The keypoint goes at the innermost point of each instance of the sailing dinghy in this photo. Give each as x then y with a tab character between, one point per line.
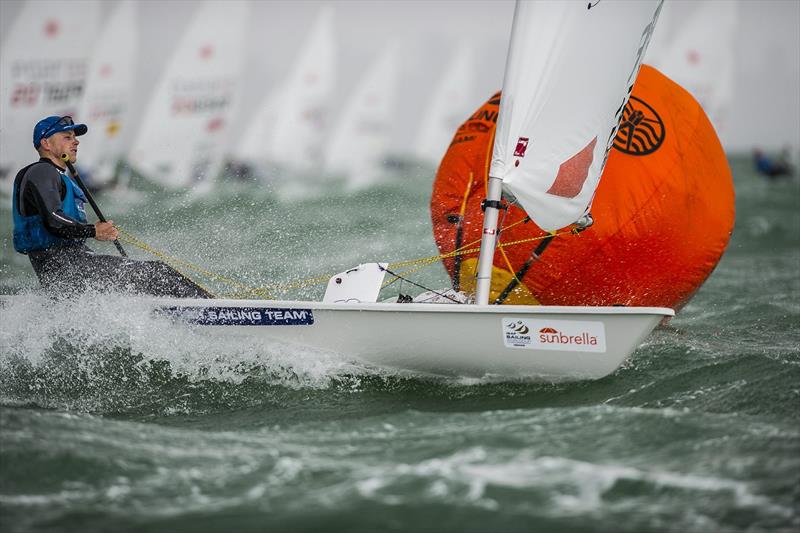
180	142
288	130
106	101
449	102
701	57
43	63
362	137
568	76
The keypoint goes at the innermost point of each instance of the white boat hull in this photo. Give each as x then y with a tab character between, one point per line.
554	343
546	342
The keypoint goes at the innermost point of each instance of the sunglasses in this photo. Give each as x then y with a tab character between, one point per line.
63	121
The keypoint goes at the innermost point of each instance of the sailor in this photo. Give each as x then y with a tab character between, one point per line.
773	169
50	227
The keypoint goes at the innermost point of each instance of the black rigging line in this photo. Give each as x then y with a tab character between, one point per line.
398	276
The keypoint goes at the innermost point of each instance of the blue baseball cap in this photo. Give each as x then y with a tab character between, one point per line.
50	125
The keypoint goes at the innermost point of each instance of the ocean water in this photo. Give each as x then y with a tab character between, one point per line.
108	423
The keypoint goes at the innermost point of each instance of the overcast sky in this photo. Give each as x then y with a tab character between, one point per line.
766	110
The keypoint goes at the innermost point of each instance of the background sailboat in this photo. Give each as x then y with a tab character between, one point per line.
44	64
180	142
700	56
450	101
106	102
362	136
288	129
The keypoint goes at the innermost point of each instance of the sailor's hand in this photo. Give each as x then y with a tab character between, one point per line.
105	231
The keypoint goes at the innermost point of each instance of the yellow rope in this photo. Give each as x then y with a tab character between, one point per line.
416	263
425	261
245	290
130	239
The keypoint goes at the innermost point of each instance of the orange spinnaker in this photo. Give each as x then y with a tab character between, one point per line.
664	210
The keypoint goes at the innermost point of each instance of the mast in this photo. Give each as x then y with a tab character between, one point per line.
488	240
494	192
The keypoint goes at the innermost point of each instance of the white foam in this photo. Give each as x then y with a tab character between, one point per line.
95	324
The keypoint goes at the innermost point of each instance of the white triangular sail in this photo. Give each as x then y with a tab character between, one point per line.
106	103
252	146
289	127
182	137
42	72
700	56
570	69
449	104
362	136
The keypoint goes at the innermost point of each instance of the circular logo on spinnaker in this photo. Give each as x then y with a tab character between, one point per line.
641	130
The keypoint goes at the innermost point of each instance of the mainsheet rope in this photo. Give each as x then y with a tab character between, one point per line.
265	292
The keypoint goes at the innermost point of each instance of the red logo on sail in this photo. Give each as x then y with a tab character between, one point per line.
215	124
522	145
51	28
206	52
573	173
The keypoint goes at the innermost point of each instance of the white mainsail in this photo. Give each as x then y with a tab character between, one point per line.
42	72
449	103
289	127
569	73
700	57
362	136
106	102
570	70
182	137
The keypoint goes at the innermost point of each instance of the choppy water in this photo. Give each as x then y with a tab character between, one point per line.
113	423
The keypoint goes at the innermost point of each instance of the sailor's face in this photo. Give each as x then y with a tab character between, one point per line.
63	142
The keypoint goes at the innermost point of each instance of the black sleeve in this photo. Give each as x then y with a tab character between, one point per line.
43	195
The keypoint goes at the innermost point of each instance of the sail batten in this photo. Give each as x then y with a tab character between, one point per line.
569	72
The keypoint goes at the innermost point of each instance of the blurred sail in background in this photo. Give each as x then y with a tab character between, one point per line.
183	133
288	129
700	55
362	135
106	102
450	102
43	72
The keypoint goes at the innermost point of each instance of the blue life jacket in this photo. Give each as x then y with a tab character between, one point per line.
30	235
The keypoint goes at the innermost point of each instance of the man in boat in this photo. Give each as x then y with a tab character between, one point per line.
770	168
51	228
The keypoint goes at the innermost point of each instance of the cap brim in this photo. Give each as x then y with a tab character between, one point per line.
80	129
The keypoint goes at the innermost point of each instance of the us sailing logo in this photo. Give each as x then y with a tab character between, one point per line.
517	334
641	130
